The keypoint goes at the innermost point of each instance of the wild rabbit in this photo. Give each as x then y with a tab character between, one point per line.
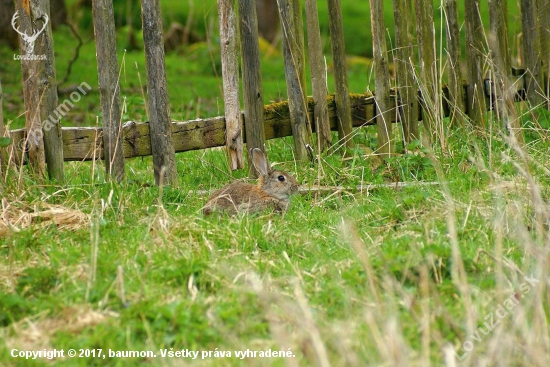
271	193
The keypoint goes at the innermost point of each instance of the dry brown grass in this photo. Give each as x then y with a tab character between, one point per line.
16	215
35	333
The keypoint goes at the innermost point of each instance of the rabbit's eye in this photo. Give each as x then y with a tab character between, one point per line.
281	178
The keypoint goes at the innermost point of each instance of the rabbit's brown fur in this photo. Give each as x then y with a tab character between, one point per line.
271	193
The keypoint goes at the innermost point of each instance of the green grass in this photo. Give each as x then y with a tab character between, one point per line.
365	278
140	274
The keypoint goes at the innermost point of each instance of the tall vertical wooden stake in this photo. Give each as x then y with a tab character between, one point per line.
429	77
230	75
109	87
407	93
343	109
252	80
475	58
381	79
34	144
293	50
49	110
318	77
532	53
456	85
544	31
3	152
160	123
502	68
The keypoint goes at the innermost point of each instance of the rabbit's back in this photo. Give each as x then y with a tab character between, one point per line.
242	197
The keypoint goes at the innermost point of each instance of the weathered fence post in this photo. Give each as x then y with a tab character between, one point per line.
160	123
407	93
381	79
456	85
475	58
109	87
318	77
498	40
3	152
230	75
429	84
49	110
34	142
544	30
531	53
501	68
252	80
290	13
340	74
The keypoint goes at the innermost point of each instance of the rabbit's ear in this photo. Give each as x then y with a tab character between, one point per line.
260	161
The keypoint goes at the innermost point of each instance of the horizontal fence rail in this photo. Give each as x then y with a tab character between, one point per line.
85	143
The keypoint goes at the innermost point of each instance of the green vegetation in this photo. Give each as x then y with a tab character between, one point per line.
143	270
355	277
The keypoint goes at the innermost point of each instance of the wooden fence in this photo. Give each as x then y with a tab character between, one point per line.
418	94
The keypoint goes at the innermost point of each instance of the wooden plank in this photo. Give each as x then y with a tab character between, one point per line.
230	76
27	25
295	74
252	79
83	144
340	73
456	91
164	158
405	70
109	88
319	88
381	79
475	59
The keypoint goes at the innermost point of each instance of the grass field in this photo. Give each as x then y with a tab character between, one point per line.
452	269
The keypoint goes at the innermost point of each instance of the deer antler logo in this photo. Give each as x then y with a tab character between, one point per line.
29	40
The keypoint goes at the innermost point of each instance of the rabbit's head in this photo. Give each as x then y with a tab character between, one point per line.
275	183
